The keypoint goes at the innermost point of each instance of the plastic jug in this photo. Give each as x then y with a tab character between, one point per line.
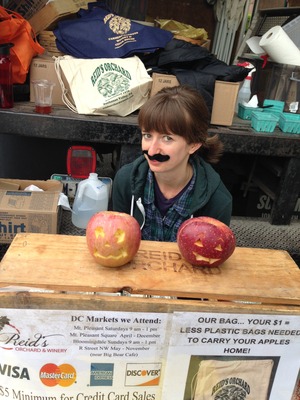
91	197
6	80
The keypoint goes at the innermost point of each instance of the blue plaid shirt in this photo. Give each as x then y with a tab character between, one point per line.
164	229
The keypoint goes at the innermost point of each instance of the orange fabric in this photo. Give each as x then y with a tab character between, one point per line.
17	30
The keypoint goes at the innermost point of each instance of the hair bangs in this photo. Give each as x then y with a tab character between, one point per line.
179	110
164	117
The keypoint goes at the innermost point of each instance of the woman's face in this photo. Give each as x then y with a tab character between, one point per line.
166	152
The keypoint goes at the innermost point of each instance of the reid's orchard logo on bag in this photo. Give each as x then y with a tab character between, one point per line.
11	338
143	374
231	388
62	375
119	25
111	79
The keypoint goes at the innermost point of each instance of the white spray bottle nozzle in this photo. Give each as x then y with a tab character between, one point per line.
251	72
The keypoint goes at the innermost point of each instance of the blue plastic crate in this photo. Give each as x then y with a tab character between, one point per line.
289	123
263	122
245	112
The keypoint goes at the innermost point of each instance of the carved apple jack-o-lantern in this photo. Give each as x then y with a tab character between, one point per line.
205	241
113	238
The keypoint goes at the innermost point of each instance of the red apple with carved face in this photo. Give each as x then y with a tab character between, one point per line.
205	241
113	238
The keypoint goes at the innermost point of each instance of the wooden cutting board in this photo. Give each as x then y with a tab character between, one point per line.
63	263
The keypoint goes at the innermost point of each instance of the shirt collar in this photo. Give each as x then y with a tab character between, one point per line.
182	206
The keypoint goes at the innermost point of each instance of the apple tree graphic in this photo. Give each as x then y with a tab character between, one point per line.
4	321
113	84
231	393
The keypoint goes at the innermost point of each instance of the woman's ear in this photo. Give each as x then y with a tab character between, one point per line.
194	147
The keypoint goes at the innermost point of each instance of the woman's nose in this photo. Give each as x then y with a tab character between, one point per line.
153	147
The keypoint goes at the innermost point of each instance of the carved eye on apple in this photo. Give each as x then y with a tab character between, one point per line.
113	238
205	241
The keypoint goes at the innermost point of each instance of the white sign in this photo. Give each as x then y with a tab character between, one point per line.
81	355
105	355
232	356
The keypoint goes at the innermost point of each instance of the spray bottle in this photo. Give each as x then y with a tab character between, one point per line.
91	197
244	94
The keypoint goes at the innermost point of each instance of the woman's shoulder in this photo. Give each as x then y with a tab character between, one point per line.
125	170
201	165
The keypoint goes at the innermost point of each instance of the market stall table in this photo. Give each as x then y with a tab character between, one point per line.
157	313
255	275
239	138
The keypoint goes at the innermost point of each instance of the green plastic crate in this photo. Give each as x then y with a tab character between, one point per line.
245	112
277	107
263	122
289	123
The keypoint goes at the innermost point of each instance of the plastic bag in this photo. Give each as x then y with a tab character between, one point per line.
17	30
181	29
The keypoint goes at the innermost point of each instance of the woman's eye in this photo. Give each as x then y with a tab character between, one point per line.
146	135
167	138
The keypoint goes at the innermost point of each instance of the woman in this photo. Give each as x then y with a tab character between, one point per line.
173	180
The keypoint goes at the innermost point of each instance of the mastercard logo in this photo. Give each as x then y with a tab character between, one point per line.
62	375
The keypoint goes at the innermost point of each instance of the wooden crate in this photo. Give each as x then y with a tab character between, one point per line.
62	262
52	289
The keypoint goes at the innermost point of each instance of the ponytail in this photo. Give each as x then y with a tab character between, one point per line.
212	149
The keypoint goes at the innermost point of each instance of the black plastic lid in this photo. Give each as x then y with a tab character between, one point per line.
5	49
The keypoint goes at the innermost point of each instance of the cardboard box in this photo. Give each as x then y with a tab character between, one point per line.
43	68
225	96
161	81
26	8
28	211
56	10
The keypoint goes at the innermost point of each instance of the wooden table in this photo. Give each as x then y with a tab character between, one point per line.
62	262
123	132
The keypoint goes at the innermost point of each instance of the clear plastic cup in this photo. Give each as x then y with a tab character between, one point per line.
43	96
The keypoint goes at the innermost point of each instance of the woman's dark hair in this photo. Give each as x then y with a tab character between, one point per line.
181	110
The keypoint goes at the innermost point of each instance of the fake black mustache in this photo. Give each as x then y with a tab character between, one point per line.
157	157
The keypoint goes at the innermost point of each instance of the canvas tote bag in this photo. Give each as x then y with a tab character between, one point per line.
103	86
99	33
240	379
